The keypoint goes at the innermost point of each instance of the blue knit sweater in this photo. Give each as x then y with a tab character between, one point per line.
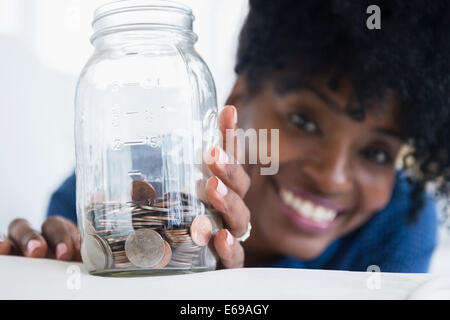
387	240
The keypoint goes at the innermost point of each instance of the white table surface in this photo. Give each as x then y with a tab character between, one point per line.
22	278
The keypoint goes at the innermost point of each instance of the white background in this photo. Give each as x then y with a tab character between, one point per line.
43	47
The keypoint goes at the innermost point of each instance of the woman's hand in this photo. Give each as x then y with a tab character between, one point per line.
225	191
58	239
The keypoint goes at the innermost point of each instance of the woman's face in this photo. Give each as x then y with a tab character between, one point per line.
334	172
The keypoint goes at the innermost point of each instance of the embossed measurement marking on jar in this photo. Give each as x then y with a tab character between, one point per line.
133	143
153	142
117	145
134	173
148	116
130	84
115	116
150	83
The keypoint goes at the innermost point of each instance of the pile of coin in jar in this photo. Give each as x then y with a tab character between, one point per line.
150	232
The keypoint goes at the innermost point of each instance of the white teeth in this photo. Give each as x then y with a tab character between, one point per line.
289	196
330	214
297	204
320	214
306	208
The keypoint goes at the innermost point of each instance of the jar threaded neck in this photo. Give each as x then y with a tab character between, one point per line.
142	14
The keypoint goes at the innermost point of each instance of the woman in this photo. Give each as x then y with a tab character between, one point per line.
346	100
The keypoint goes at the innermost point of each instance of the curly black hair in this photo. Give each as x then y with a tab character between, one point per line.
291	41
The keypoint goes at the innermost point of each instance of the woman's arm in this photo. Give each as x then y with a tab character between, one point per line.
63	201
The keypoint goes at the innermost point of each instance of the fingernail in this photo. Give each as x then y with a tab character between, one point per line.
61	249
221	187
32	245
2	237
235	115
230	238
222	156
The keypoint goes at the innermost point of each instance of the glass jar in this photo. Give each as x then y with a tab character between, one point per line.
145	116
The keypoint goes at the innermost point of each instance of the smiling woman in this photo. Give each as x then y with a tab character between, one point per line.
345	107
346	100
335	173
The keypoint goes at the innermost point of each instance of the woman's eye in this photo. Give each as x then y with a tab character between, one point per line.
378	156
303	122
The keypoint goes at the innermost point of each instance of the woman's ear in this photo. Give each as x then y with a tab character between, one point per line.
239	93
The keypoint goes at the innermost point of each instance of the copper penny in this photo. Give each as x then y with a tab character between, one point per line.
167	256
142	192
201	230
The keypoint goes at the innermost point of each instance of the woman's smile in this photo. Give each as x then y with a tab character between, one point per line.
308	212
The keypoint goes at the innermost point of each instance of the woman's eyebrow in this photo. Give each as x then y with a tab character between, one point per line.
390	132
326	100
335	108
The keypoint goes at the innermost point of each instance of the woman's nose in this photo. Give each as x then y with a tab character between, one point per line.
330	170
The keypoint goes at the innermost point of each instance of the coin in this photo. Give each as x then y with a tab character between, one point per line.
142	192
131	230
167	256
95	253
155	209
167	203
201	230
144	248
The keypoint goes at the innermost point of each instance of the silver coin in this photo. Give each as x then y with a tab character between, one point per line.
144	248
89	227
155	209
94	252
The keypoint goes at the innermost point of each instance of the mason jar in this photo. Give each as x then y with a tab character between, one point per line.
145	116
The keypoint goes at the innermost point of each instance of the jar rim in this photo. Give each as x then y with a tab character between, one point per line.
170	13
135	5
